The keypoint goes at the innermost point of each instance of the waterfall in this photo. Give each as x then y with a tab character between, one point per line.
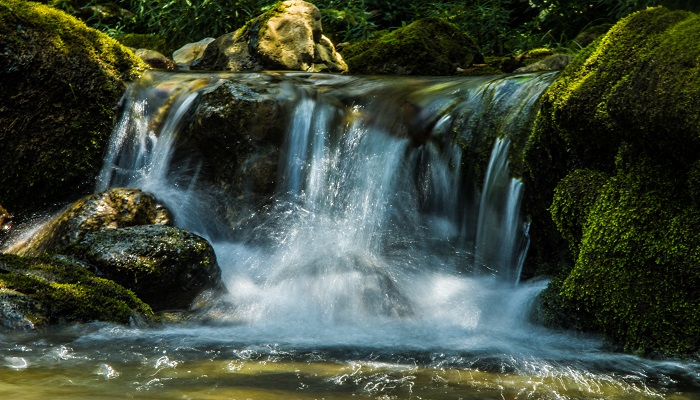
375	202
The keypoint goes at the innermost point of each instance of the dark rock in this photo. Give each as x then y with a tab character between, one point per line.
166	267
37	292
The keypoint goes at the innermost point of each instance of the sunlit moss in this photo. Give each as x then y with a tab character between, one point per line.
626	108
67	292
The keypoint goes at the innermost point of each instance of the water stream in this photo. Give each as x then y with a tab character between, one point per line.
385	264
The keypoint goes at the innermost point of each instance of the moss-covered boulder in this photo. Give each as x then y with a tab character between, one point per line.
166	267
626	108
60	82
36	292
111	209
428	46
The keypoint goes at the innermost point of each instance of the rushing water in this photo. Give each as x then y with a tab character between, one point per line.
383	266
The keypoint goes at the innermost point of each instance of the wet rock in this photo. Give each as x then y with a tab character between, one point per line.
114	208
60	82
239	130
19	311
155	59
190	53
166	267
429	46
287	37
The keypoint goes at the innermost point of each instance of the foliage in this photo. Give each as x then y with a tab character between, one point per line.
499	26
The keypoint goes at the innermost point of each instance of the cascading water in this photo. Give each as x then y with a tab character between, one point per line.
385	262
362	212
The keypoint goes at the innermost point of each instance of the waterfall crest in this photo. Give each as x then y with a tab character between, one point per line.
375	191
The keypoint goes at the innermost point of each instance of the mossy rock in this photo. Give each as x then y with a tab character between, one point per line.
573	198
61	83
627	107
429	46
166	267
35	292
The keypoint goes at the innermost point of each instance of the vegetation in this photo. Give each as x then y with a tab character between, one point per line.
623	117
498	26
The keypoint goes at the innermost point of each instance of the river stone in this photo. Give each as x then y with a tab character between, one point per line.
61	83
19	311
239	129
165	266
111	209
191	53
287	37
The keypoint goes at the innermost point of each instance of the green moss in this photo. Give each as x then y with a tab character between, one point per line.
573	198
62	82
627	108
429	46
68	292
638	268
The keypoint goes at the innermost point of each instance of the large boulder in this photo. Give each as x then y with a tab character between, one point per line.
60	82
35	292
429	46
287	37
623	116
166	267
239	128
112	209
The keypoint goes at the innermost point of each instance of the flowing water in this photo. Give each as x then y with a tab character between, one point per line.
386	264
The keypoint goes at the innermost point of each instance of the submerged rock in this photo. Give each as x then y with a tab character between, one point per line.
287	37
114	208
166	267
625	111
36	292
429	46
60	82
